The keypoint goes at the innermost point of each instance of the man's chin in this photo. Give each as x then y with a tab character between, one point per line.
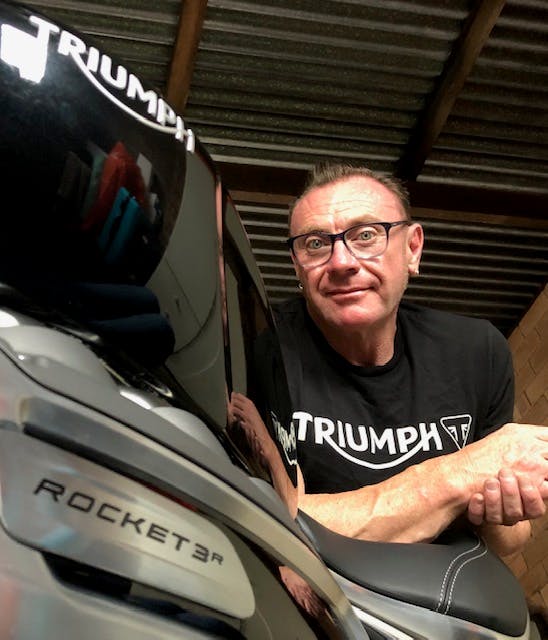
343	312
354	317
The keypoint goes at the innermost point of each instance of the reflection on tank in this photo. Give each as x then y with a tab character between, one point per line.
131	243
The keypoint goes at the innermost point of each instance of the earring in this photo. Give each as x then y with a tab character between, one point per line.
300	286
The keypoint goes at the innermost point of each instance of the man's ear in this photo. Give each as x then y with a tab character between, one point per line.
415	243
296	267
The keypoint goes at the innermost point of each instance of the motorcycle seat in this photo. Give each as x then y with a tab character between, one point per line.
456	575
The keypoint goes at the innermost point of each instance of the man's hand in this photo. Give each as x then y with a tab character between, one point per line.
502	511
519	449
506	499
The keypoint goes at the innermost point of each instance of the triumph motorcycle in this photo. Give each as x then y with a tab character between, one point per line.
148	463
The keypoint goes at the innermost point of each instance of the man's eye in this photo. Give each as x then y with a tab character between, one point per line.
316	242
365	235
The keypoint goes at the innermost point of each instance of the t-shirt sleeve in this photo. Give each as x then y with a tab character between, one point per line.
501	383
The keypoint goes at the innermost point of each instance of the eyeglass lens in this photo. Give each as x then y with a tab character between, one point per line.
363	241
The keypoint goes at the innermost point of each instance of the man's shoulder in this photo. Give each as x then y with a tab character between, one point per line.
436	321
452	328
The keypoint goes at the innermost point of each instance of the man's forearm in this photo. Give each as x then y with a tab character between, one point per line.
413	506
417	504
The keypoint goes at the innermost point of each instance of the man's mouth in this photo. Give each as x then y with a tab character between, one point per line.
333	293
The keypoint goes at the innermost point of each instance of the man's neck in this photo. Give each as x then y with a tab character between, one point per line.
367	346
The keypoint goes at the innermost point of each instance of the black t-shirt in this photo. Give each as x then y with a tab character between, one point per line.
450	382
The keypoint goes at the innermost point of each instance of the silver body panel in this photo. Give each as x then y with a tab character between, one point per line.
56	502
71	514
36	606
402	621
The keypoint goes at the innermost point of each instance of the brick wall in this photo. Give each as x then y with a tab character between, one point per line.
529	345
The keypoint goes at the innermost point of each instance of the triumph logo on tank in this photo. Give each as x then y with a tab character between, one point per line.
28	52
399	444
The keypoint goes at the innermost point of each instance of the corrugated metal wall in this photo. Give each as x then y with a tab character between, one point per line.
288	82
139	32
497	134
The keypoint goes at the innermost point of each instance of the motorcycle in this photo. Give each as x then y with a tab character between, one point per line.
134	324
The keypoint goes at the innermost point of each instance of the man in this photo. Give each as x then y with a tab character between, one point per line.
400	410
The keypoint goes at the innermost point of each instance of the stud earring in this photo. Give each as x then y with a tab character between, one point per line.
300	286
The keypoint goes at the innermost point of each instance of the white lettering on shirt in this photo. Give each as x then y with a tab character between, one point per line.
401	442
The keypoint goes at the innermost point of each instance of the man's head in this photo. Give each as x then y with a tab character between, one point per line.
362	275
329	172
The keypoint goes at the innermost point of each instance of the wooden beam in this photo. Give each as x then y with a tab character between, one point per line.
191	21
460	63
521	204
261	179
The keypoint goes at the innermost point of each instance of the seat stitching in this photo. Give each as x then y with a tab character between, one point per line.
463	553
457	573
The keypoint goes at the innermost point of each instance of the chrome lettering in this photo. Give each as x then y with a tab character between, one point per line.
120	81
98	69
135	91
81	502
101	511
180	540
136	523
72	46
158	533
54	488
88	505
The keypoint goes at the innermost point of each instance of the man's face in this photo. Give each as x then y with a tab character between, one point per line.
346	292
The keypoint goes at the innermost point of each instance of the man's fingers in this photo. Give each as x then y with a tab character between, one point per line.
476	509
531	498
512	508
493	501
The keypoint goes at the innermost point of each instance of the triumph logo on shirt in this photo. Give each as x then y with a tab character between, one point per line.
399	443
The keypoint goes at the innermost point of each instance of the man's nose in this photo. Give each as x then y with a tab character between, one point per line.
341	256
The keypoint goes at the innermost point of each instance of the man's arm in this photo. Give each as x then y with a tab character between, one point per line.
412	506
503	510
419	503
505	540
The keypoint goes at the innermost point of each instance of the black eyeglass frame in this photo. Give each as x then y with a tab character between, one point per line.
333	237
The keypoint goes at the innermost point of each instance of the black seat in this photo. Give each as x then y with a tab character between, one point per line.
456	575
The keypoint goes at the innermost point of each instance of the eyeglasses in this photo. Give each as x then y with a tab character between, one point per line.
363	241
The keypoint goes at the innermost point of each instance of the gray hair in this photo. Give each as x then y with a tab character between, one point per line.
329	172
